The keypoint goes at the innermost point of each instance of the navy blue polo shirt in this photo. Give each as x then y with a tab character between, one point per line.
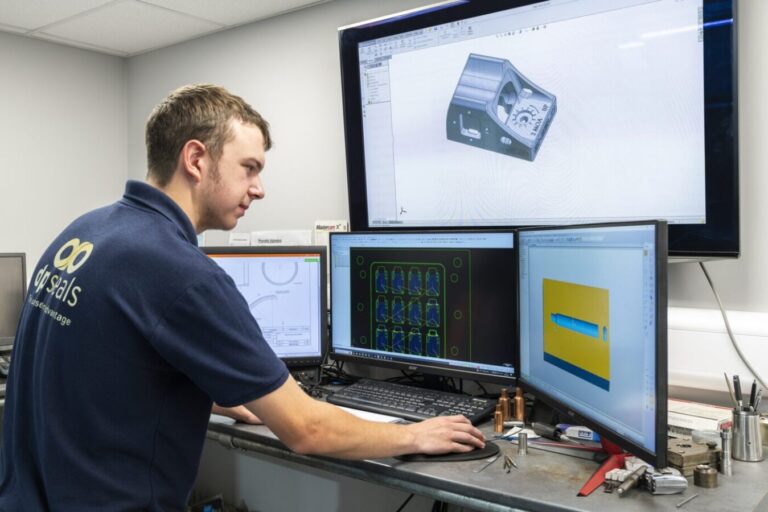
128	334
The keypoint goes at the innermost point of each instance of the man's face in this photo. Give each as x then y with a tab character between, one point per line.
235	180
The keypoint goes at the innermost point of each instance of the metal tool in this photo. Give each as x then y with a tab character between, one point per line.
662	483
490	461
737	391
509	463
730	389
545	430
686	500
753	396
726	467
631	480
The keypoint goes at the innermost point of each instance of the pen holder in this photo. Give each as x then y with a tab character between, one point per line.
747	442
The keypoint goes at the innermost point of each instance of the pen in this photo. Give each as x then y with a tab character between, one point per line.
730	389
737	391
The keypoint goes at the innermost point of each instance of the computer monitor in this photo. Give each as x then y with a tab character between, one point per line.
522	113
593	331
436	302
285	288
13	289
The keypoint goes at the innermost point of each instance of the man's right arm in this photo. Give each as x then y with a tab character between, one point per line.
310	426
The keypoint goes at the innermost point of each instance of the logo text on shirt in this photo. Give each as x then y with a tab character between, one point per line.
69	258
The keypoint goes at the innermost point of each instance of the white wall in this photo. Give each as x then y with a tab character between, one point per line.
288	68
743	284
62	139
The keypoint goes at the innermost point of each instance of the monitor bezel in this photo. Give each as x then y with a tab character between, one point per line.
425	368
659	457
292	362
7	341
718	238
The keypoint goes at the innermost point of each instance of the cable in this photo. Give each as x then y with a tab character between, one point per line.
485	391
728	326
409	498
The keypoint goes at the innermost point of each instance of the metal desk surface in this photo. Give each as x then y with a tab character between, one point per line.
544	481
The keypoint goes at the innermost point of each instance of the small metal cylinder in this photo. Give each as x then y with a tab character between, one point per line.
725	459
522	443
704	476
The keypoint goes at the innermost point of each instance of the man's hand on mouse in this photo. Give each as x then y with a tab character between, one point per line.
446	434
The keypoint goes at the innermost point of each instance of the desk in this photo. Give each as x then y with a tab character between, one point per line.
543	482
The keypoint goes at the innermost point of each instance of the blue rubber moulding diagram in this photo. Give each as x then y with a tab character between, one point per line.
495	107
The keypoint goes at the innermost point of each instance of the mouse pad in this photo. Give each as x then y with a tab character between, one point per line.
490	450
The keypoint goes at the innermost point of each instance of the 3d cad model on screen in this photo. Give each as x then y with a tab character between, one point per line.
495	107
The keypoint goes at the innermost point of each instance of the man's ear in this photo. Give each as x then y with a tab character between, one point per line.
192	159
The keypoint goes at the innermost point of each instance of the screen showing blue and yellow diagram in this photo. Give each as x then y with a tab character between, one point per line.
587	298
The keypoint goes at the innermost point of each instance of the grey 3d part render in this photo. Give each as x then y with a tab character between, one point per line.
495	107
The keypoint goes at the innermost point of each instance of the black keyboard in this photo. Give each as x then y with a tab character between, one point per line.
409	402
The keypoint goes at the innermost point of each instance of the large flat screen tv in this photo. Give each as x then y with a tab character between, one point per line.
518	113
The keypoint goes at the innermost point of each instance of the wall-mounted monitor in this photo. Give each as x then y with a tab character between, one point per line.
593	332
286	291
13	290
520	113
441	303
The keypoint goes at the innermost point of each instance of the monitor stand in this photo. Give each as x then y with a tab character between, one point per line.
615	460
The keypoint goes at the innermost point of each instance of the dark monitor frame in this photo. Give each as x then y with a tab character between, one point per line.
425	368
6	341
718	238
659	458
293	362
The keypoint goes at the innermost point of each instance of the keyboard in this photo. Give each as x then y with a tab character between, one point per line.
409	402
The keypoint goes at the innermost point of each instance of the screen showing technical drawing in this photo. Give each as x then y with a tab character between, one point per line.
283	293
443	299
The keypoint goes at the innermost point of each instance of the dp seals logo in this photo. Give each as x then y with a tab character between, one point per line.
72	255
69	258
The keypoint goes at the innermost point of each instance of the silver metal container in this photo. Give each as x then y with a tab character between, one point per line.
747	444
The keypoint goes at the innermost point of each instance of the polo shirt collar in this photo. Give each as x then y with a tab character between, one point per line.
146	196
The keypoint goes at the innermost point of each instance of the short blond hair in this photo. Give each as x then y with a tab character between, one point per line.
202	112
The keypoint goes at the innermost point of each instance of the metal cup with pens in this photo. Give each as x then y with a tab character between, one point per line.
747	444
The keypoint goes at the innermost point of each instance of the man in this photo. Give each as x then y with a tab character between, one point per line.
130	333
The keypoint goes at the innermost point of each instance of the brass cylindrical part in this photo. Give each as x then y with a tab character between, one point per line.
519	405
498	420
506	405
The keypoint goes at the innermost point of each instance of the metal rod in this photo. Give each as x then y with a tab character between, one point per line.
686	500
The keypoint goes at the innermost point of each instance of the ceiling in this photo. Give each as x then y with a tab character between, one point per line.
130	27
